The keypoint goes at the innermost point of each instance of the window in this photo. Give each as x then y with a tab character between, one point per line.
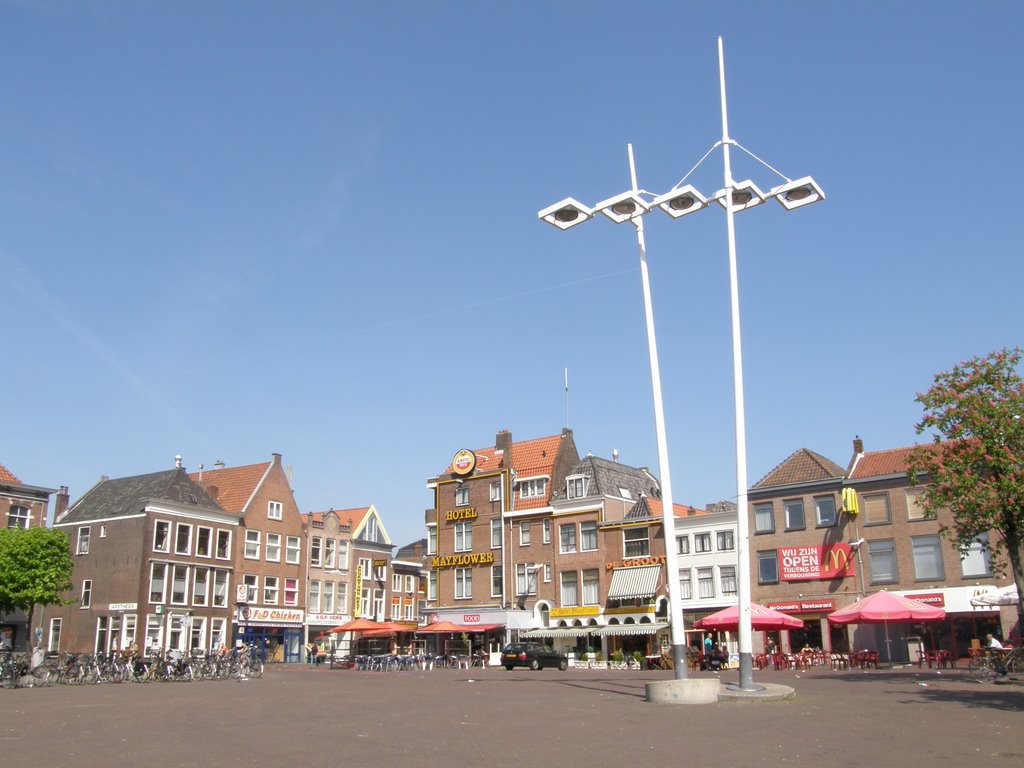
223	545
157	582
162	536
882	558
86	593
495	491
915	510
464	536
252	545
547	573
575	487
315	548
329	597
218	634
768	567
103	531
496	533
432	540
463	583
701	542
342	597
54	643
526	579
204	541
314	597
764	518
876	508
567	538
591	586
825	510
200	581
273	548
366	566
570	588
705	583
727	576
635	542
726	541
220	588
270	590
588	537
179	585
330	552
794	511
291	550
83	540
685	585
183	541
396	583
532	489
927	558
524	533
683	545
462	496
976	560
547	530
252	587
291	591
18	516
275	510
497	583
432	585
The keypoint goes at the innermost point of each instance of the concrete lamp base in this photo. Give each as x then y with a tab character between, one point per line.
691	691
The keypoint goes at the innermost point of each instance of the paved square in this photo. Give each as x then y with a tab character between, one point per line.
446	717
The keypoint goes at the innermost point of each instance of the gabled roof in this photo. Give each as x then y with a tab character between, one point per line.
233	487
802	466
360	517
6	476
879	463
609	478
126	496
646	508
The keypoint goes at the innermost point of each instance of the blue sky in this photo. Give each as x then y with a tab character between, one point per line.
233	229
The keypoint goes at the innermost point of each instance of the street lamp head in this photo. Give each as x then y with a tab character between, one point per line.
680	201
623	207
566	213
795	194
745	194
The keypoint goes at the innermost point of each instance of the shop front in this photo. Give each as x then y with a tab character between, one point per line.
964	627
275	632
816	633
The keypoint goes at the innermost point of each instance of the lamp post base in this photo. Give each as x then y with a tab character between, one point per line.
689	691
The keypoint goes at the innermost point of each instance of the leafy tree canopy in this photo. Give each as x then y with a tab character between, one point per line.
35	568
974	465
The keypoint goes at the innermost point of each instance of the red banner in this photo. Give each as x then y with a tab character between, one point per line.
815	562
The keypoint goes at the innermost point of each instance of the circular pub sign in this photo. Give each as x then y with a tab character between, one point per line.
464	462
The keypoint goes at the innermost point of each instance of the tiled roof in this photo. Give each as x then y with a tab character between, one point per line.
876	463
130	495
234	485
647	507
6	476
610	478
802	466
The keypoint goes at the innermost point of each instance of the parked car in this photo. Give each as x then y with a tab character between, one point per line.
532	655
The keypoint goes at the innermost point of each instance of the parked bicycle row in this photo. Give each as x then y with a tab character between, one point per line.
17	671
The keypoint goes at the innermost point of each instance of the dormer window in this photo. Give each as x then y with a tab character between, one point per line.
576	487
531	489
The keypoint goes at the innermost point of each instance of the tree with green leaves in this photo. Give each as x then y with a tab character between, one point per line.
974	465
35	569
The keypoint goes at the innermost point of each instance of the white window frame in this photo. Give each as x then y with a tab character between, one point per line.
818	517
701	542
224	537
275	510
588	530
316	551
546	528
85	601
569	589
462	496
252	587
575	487
187	548
495	491
82	547
976	560
463	531
463	583
206	552
496	530
165	526
342	555
162	594
292	550
291	591
927	555
221	587
271	590
272	547
567	538
525	534
200	577
764	518
252	544
185	581
641	546
19	516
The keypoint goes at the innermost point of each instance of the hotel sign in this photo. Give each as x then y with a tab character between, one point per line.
815	562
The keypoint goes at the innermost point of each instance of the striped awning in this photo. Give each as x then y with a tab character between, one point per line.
631	629
627	583
560	632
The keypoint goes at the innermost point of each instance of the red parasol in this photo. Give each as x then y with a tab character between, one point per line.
883	607
761	618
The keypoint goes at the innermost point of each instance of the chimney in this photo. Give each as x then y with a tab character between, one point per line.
858	445
212	491
177	461
218	464
503	447
61	502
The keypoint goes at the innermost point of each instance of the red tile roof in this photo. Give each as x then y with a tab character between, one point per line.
802	466
355	514
877	463
234	485
6	476
680	510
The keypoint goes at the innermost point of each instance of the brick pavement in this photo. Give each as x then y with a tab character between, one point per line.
298	716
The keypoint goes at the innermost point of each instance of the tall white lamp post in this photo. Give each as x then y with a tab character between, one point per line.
681	200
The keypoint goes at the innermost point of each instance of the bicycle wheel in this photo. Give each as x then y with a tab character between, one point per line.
256	669
41	677
980	669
